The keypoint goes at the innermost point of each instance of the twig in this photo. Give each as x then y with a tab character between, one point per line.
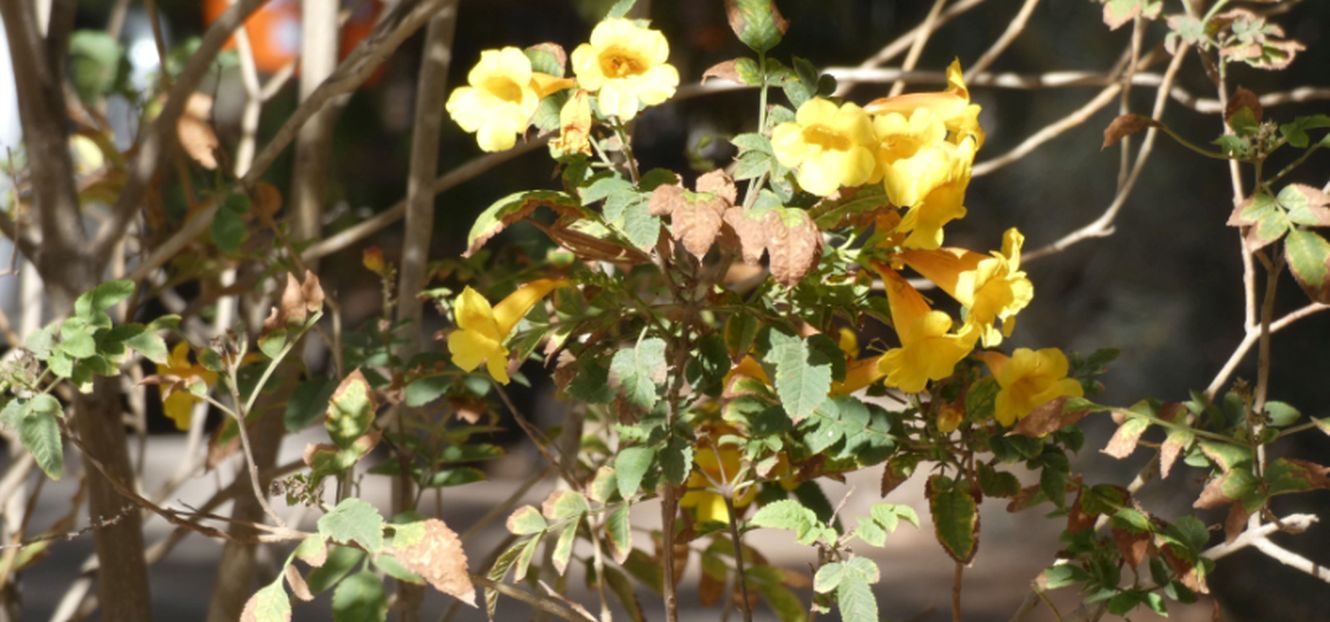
1103	225
956	579
921	36
542	603
1009	36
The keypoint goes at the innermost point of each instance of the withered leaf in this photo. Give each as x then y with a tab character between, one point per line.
751	232
665	199
297	302
717	182
1125	438
1212	496
1134	546
1125	125
1244	98
434	552
195	131
697	223
794	244
297	583
724	70
1235	522
1048	418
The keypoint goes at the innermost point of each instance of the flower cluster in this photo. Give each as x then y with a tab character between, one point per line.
623	68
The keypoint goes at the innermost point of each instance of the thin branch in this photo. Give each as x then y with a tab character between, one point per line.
546	604
921	36
1009	36
1103	225
1291	559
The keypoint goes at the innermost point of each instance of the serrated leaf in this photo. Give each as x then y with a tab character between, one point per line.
39	431
432	550
756	22
360	598
356	521
1282	414
1124	440
150	345
350	410
1120	12
630	466
1308	256
676	460
637	370
269	604
955	517
802	383
564	504
854	598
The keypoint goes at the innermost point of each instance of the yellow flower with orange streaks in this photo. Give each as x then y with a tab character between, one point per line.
951	105
482	329
624	64
715	467
175	379
992	287
928	351
829	146
1028	379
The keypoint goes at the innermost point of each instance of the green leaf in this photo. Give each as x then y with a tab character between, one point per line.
623	590
563	547
350	410
544	58
785	514
1282	414
360	598
103	297
871	532
802	381
95	63
955	517
1119	12
39	431
525	521
229	231
76	339
637	370
621	8
270	604
356	521
619	529
426	389
854	592
1062	575
1270	227
565	504
591	382
676	460
150	345
1308	255
340	561
394	568
756	22
630	466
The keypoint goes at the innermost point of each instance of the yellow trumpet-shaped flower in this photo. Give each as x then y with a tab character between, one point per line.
499	100
482	329
992	287
720	466
942	203
574	127
929	351
952	106
829	146
176	377
859	374
625	66
1028	380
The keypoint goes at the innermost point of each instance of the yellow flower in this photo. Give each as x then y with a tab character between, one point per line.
992	287
624	64
720	466
500	100
176	377
574	127
928	350
482	329
858	374
1028	380
830	147
943	203
952	106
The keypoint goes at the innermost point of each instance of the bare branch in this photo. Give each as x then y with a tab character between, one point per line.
1014	30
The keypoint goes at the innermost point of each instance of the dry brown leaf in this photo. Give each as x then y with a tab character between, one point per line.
752	233
1168	454
297	582
267	201
1212	496
1125	125
717	182
317	557
195	132
724	70
1243	98
793	243
297	302
438	558
696	224
665	199
893	476
1235	522
1134	546
1047	419
1124	440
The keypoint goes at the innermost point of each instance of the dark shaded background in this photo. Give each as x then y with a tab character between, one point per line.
1166	289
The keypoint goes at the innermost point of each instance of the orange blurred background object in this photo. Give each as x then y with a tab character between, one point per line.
274	29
